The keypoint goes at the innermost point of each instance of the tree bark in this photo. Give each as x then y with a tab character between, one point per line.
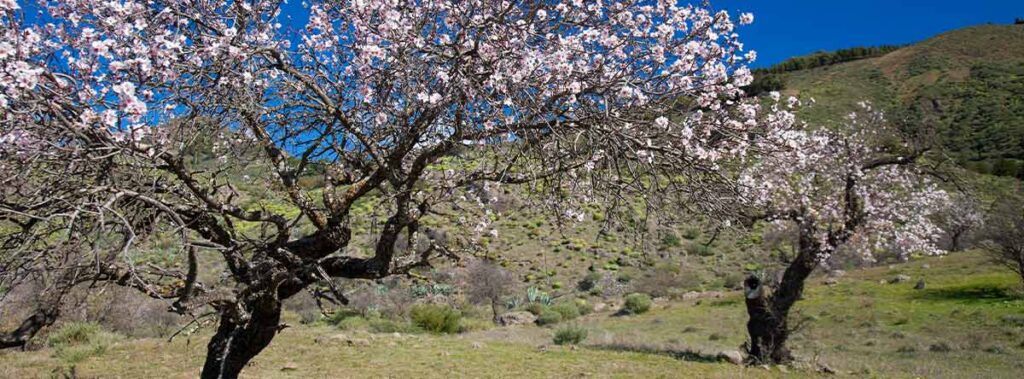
1020	266
43	317
768	324
955	241
494	310
238	341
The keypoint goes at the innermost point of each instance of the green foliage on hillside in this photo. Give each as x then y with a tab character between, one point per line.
966	86
828	58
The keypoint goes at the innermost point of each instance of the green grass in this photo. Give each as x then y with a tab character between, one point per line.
860	327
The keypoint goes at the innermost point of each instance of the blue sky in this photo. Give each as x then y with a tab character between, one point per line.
786	28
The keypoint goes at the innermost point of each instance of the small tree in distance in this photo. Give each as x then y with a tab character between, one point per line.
1004	233
960	219
487	283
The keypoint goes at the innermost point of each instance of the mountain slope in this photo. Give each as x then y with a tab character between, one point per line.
968	84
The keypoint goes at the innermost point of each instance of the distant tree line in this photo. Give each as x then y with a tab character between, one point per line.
1018	21
827	58
767	79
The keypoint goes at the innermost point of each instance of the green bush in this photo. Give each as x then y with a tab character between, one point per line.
384	325
670	239
699	249
436	318
340	315
73	333
571	335
569	311
353	323
624	277
549	317
589	282
74	342
637	303
733	280
691	233
535	308
584	307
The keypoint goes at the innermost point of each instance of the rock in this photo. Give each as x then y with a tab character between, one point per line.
732	356
900	279
290	366
919	285
837	273
600	307
825	369
940	347
1017	320
516	318
926	266
357	342
334	338
831	281
693	295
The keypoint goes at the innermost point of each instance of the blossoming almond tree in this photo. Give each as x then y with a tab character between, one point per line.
125	127
851	187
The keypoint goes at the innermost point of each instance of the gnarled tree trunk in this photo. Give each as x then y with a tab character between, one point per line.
41	318
237	341
769	312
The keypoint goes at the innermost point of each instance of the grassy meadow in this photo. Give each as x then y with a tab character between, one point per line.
968	322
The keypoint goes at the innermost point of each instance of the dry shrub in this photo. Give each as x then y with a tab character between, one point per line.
304	304
663	279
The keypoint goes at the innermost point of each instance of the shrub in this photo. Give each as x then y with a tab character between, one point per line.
571	335
304	305
733	281
666	280
73	333
536	308
340	315
589	282
436	318
691	233
487	283
584	307
637	303
569	311
699	249
549	317
352	323
77	341
384	325
670	239
624	277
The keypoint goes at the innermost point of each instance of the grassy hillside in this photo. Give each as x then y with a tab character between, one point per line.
968	84
967	322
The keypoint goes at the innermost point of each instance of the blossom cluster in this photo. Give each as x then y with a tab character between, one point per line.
847	182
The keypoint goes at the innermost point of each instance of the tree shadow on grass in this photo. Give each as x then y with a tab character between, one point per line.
682	354
972	293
